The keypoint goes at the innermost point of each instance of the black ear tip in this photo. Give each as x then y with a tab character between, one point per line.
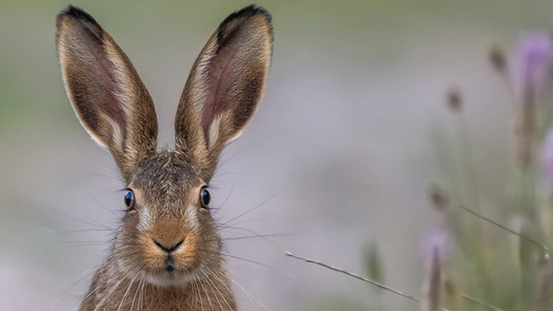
249	11
77	13
254	10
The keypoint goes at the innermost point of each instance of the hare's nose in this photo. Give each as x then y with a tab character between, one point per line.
169	248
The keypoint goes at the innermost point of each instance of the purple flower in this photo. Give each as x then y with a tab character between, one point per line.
436	242
535	61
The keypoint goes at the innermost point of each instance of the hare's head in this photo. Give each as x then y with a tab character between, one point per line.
168	235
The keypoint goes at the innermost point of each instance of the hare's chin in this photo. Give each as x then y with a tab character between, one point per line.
172	280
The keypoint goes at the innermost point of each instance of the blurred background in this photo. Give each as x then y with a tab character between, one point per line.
338	159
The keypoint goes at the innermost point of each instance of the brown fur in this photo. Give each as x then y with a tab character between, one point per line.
167	226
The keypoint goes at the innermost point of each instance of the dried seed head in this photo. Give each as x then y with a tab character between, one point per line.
450	287
497	58
438	197
454	99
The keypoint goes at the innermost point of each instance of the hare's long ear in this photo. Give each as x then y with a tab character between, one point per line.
106	92
224	87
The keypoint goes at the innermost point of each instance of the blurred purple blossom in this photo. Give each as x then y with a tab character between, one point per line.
535	58
436	241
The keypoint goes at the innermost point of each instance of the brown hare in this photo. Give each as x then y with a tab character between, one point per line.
167	253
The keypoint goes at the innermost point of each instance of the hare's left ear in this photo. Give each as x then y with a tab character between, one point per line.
224	87
105	90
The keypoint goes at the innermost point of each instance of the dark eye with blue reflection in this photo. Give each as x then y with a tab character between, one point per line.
129	199
205	197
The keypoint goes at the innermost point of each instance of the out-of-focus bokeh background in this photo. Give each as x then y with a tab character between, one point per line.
339	157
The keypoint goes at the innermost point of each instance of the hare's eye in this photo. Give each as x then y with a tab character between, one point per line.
129	199
205	197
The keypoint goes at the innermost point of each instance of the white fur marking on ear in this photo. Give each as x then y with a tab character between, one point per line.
144	219
117	135
214	129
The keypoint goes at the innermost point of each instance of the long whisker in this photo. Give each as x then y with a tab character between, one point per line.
200	294
131	283
223	283
136	292
210	284
102	205
226	199
249	261
265	237
196	292
82	221
257	206
79	278
113	289
248	294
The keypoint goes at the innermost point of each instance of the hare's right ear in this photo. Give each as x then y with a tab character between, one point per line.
224	87
106	92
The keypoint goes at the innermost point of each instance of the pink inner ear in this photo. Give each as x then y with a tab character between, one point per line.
219	75
94	85
112	106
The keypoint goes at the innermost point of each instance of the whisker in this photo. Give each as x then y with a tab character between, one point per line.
210	284
257	206
131	283
250	261
136	293
205	291
219	166
113	289
82	221
102	205
79	278
248	294
223	283
226	199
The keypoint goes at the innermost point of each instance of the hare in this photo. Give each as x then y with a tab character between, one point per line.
167	253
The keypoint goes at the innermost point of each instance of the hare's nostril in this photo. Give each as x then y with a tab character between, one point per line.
169	249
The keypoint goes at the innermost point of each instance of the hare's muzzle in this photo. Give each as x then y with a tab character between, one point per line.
168	249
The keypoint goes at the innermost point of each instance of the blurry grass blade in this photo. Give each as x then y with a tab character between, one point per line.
522	236
544	279
527	270
480	303
353	275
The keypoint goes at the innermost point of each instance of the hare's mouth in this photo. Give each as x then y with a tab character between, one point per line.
169	264
171	276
